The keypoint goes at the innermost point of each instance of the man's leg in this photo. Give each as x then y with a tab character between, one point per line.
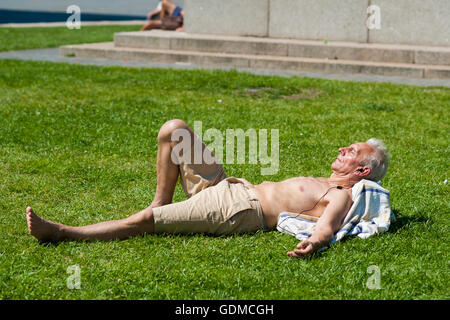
152	24
167	171
167	8
139	223
194	175
44	230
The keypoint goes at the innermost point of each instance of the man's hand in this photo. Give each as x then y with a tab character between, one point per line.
327	226
304	248
239	180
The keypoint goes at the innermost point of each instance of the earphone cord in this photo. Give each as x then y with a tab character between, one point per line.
298	214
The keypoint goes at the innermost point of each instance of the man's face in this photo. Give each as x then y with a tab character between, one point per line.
350	158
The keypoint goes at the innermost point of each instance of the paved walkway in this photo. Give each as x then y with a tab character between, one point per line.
52	55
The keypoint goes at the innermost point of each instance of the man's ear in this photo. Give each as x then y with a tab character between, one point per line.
362	171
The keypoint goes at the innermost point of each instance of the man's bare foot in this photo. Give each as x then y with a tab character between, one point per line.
42	229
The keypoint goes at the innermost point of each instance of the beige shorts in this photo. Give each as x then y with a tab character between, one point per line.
215	205
196	177
221	209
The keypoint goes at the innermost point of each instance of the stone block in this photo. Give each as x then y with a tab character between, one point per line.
415	22
343	20
230	17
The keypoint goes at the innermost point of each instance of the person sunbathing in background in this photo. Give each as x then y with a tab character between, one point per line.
170	17
220	205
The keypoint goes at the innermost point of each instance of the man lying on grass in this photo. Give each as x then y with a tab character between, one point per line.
219	205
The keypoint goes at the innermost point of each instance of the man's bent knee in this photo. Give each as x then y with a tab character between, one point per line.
166	130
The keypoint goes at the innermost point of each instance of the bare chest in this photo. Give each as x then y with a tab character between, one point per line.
304	195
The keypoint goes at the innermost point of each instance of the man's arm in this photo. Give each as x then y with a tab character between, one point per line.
239	180
151	14
328	224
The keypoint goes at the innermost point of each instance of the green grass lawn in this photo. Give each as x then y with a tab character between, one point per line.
46	37
78	143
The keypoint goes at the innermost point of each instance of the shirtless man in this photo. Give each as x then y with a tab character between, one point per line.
221	205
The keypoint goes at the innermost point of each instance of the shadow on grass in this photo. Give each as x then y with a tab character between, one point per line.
402	222
53	244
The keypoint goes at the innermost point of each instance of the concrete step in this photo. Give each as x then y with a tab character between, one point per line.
108	50
169	40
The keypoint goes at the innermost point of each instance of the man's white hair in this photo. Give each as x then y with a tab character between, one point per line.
377	161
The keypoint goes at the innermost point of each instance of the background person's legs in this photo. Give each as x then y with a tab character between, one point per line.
165	18
167	8
152	24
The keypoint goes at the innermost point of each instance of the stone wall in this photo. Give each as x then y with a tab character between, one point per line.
230	17
415	22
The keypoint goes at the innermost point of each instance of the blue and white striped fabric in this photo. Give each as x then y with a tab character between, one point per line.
369	214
